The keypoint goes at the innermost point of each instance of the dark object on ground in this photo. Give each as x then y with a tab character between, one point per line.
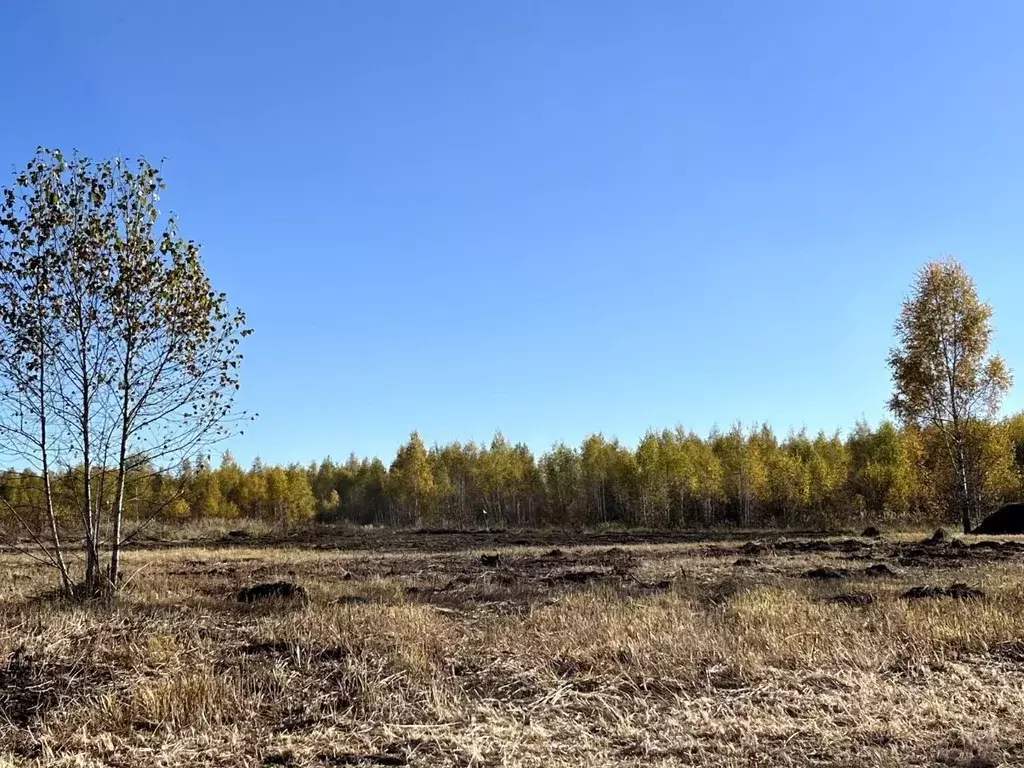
745	561
827	574
871	532
851	545
853	598
280	758
268	649
490	561
354	600
964	592
364	761
989	544
276	590
936	538
1010	651
1008	519
880	570
581	577
918	593
958	590
555	553
752	548
238	534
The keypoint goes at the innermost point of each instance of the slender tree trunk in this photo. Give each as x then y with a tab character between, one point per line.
92	555
97	511
118	515
51	514
963	488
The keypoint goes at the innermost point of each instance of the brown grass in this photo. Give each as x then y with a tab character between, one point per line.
726	666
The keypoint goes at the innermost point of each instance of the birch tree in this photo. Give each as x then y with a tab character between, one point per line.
943	374
116	354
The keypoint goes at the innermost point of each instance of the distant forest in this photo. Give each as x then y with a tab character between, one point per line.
673	478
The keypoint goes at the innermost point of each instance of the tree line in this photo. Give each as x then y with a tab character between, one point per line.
671	479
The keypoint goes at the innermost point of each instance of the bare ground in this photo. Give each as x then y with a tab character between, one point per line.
423	649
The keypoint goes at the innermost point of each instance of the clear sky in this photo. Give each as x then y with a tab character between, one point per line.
552	217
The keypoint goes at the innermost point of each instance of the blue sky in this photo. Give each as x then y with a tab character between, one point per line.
552	218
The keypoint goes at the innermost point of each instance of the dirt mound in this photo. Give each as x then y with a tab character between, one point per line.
958	590
852	598
582	577
827	574
939	537
871	532
355	600
964	592
918	593
1008	519
813	545
988	544
851	545
280	590
364	760
1011	650
880	570
752	548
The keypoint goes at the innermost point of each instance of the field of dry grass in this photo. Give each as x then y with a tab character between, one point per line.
569	651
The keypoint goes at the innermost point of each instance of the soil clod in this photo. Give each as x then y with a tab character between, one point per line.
278	590
827	574
852	598
582	577
957	590
354	600
939	537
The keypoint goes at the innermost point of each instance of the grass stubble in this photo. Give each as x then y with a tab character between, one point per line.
669	655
